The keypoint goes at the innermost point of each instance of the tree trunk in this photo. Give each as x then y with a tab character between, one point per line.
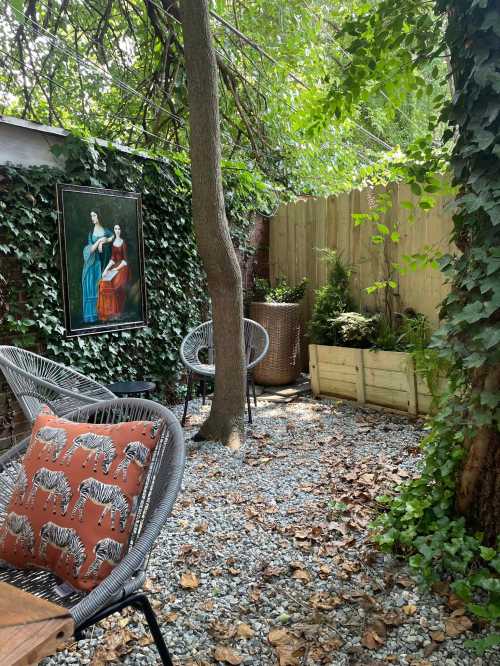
225	422
478	492
473	309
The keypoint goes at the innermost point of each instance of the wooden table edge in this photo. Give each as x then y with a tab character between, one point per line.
26	645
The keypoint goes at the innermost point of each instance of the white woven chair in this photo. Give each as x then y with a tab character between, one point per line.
198	355
36	380
122	587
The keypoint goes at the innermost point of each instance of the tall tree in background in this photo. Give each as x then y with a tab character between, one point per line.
225	421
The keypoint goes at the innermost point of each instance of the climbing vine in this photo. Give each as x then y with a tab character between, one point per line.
176	291
447	520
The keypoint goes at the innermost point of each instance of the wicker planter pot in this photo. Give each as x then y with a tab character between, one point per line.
282	362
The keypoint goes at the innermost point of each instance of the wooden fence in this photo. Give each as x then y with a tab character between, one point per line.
300	229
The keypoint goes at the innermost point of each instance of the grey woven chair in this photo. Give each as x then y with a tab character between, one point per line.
122	587
197	354
36	380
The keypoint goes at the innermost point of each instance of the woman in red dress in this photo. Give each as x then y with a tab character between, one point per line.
114	280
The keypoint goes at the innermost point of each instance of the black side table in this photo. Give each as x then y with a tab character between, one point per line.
132	389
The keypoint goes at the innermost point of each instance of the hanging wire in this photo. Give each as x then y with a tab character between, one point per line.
262	52
292	108
254	45
64	48
25	64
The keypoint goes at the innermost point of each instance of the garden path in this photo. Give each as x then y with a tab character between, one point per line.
267	560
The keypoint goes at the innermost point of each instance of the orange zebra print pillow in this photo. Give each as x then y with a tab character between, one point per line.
75	498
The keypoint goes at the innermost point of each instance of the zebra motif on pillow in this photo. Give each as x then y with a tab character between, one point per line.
105	550
135	452
107	495
53	440
55	484
21	484
96	445
75	496
20	527
67	541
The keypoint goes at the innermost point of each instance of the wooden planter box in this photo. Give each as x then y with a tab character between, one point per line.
376	377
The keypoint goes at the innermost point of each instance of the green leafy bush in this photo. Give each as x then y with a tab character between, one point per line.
353	329
282	292
330	301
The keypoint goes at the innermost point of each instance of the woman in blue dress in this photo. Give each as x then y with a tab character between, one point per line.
96	255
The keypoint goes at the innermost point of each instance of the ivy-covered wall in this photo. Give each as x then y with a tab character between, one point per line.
176	291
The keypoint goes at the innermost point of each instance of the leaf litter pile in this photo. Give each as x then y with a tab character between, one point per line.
267	558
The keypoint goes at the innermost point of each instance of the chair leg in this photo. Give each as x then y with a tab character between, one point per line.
139	601
189	395
203	391
253	392
249	404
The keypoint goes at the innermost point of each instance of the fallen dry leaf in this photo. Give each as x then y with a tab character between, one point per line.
302	574
208	605
454	626
202	527
189	581
290	655
149	586
147	639
289	650
324	600
170	617
270	571
455	602
221	630
409	609
392	618
227	655
278	636
244	630
438	636
374	635
324	571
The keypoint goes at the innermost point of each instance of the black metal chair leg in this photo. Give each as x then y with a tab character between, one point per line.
203	390
141	602
253	391
189	396
249	404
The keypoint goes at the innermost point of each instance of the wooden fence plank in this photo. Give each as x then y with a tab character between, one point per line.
299	228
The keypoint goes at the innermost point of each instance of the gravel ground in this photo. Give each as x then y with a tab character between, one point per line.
266	559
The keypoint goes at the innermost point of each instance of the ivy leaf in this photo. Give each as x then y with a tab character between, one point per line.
480	645
487	554
489	611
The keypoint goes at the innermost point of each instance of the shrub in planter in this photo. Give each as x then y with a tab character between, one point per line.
353	329
282	292
331	300
279	313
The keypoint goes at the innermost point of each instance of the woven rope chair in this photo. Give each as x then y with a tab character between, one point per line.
122	587
198	355
36	381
